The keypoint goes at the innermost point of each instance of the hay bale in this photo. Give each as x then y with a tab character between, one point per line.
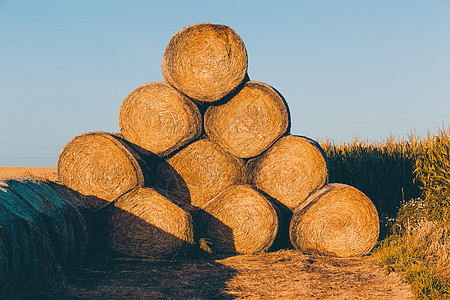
73	213
239	220
200	171
205	61
144	223
159	119
249	122
28	267
291	170
101	166
64	223
337	220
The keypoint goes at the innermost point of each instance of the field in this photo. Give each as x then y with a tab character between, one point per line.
282	274
408	180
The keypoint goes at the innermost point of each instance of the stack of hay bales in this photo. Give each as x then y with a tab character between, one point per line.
43	229
207	157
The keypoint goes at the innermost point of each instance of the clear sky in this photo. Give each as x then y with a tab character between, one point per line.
370	69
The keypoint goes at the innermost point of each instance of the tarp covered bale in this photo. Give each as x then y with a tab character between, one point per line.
28	267
249	122
101	166
239	220
337	220
291	170
158	118
200	171
205	61
144	223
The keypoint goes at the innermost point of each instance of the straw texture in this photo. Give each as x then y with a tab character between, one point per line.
337	220
158	118
101	166
39	233
144	223
291	170
60	217
239	220
205	61
250	122
200	171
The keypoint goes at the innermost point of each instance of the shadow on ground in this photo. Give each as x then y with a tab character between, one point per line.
121	278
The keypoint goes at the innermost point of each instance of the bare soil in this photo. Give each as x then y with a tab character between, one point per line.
284	274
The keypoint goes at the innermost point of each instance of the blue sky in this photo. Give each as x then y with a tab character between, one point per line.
370	69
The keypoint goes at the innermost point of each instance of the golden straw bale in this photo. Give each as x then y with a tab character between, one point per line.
101	166
159	119
292	169
239	220
205	61
144	223
249	122
200	171
337	220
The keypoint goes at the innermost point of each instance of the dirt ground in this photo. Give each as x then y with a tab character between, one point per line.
284	274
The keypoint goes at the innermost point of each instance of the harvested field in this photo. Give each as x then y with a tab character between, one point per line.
286	274
36	172
283	274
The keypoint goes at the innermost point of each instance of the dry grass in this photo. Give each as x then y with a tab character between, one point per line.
249	122
49	173
422	252
205	61
286	274
158	118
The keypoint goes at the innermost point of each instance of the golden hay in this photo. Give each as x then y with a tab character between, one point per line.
159	119
338	220
239	220
144	223
291	170
101	166
205	61
249	122
200	171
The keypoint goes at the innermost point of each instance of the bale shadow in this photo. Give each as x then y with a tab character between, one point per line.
189	273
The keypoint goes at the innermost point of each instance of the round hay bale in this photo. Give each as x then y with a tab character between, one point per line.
291	170
66	207
49	218
239	220
64	223
200	171
101	166
249	122
28	267
144	223
337	220
159	119
205	61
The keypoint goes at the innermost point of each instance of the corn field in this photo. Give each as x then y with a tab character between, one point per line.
394	171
